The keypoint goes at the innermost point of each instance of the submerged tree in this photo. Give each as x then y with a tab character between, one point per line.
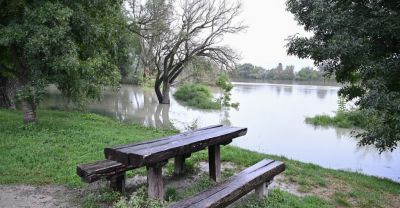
175	33
72	44
359	42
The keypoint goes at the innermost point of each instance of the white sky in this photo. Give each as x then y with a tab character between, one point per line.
263	43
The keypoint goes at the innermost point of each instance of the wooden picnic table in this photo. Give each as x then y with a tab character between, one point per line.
155	154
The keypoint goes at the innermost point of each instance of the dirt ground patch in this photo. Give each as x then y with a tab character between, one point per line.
37	196
21	196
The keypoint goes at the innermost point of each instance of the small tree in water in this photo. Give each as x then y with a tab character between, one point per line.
224	83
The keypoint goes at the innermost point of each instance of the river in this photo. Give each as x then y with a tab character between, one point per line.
274	114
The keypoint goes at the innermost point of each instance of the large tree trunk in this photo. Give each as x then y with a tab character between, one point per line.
162	96
165	94
11	92
23	80
29	109
4	103
8	89
157	89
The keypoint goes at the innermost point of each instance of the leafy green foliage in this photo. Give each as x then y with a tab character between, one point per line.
224	83
341	104
196	95
358	42
309	74
75	45
171	194
226	86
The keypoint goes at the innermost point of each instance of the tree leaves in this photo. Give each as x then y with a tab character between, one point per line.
68	43
359	43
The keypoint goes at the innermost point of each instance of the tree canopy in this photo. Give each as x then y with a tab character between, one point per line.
359	42
72	44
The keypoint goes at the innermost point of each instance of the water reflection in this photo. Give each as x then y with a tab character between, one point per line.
161	117
321	93
274	115
288	90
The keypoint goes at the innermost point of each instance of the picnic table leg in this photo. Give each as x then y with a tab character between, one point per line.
155	181
117	183
214	162
180	164
262	189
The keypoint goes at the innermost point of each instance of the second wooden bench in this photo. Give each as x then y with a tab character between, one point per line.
256	177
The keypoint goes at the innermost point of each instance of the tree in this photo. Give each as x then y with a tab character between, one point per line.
199	70
72	44
308	74
175	33
358	42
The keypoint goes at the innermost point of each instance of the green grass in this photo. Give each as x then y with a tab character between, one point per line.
48	153
196	95
346	119
278	198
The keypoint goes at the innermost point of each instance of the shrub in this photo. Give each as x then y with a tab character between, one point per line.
342	119
196	95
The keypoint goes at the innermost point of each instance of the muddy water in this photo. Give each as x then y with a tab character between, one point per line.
274	114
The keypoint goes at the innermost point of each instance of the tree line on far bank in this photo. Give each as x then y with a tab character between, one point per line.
250	71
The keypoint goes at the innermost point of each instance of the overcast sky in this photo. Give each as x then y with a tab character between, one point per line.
263	43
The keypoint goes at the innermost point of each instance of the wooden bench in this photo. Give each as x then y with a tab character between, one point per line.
255	177
154	155
111	170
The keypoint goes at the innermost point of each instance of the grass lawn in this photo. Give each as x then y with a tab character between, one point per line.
48	153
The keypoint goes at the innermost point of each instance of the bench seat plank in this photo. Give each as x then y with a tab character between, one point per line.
104	168
151	152
225	193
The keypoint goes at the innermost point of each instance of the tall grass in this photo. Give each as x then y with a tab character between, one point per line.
342	119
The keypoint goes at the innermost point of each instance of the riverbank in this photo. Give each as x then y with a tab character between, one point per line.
47	154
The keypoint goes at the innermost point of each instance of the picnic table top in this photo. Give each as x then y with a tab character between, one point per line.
159	150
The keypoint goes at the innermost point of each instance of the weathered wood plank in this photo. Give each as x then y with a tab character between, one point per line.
155	181
120	152
165	139
133	156
94	171
214	162
237	186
